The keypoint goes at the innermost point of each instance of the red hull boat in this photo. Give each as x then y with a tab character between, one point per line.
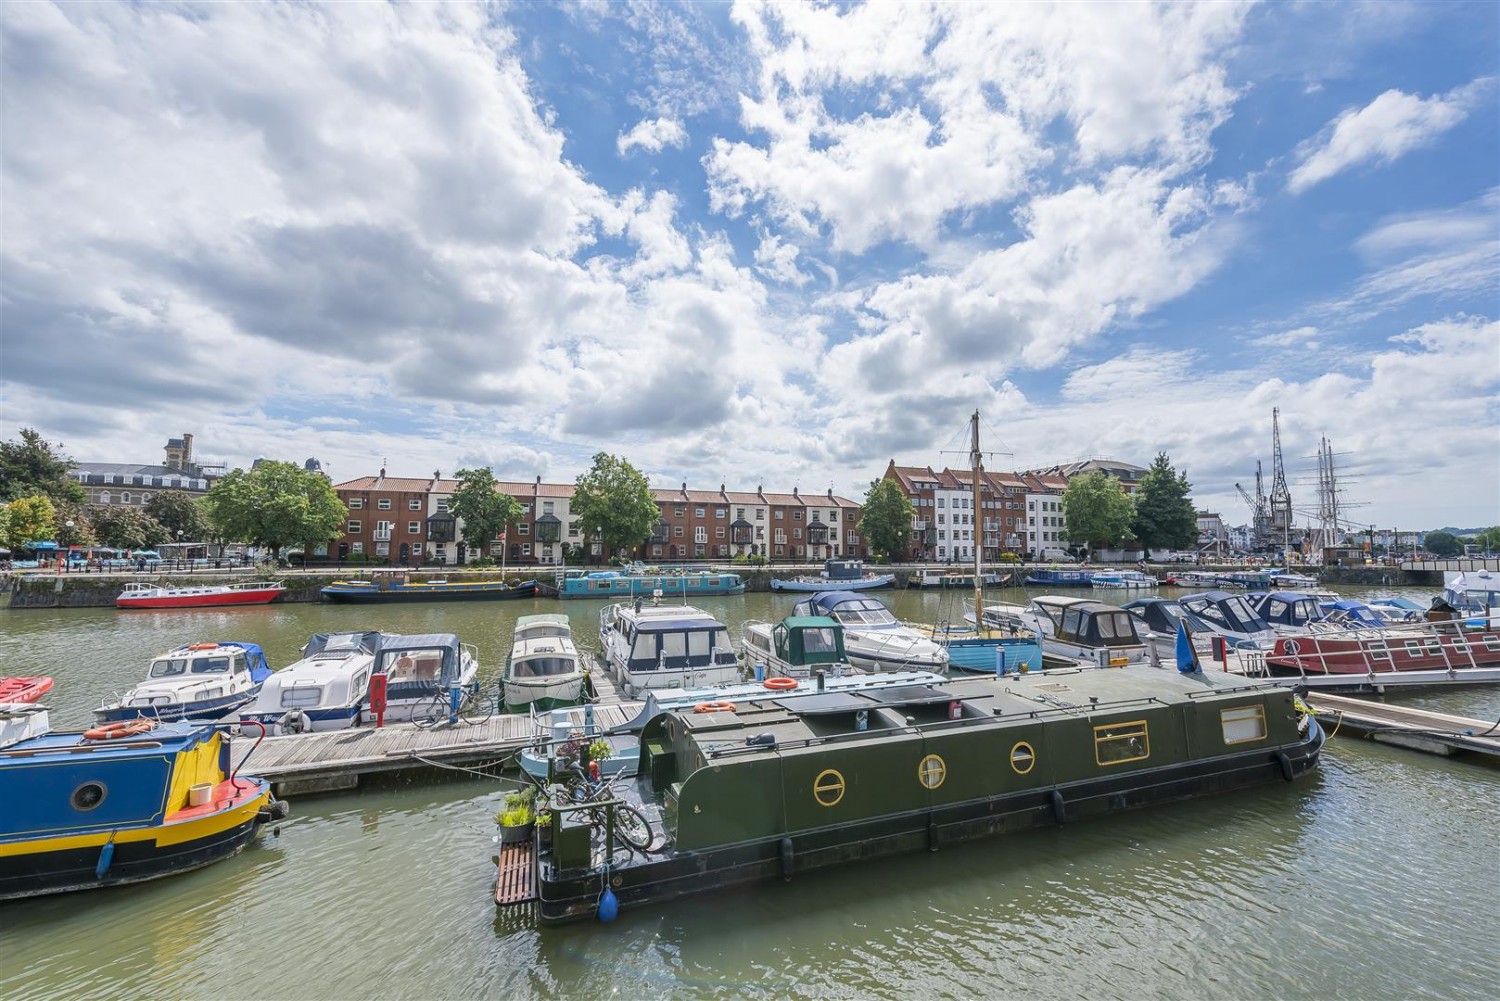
1366	651
24	689
151	596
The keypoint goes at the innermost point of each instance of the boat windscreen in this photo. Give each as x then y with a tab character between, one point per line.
210	665
543	667
168	668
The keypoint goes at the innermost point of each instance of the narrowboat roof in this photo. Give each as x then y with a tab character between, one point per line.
66	745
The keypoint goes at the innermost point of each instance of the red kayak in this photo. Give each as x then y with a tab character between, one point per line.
24	689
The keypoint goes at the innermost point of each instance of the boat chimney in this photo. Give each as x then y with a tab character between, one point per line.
822	679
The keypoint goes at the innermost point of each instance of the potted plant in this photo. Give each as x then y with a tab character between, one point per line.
517	819
599	750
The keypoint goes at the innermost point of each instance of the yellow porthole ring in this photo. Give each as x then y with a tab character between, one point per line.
931	771
1022	757
828	787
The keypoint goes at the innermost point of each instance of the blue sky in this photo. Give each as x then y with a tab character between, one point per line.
763	244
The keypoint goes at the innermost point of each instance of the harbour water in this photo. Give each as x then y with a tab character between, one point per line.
1376	879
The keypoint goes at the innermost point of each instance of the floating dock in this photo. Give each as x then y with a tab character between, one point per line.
1404	726
1252	664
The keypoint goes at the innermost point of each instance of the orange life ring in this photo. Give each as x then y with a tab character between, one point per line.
203	646
124	728
780	684
714	707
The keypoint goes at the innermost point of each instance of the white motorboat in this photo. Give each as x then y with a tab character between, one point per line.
322	691
544	670
1079	628
196	681
665	646
874	638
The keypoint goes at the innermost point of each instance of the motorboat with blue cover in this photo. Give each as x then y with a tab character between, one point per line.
1230	616
195	681
1290	613
123	802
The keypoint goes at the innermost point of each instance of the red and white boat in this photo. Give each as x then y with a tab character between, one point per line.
139	595
23	689
1444	646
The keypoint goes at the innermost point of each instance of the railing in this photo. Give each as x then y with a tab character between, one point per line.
1374	647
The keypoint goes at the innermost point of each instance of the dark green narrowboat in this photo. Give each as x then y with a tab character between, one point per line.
773	787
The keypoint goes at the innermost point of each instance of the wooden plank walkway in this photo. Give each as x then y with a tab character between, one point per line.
1406	726
324	762
515	882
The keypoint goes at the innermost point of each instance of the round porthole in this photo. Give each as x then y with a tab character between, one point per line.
88	796
1022	758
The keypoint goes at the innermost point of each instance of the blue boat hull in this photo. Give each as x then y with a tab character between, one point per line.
809	584
208	709
672	587
979	656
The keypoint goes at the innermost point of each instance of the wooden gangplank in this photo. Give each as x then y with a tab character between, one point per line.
515	882
1407	726
334	760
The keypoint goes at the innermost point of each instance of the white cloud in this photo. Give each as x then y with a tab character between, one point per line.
652	135
1385	129
1303	338
777	260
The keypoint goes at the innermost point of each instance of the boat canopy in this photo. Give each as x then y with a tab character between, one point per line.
342	644
429	657
1093	623
849	607
1224	610
1286	608
803	640
211	658
1353	613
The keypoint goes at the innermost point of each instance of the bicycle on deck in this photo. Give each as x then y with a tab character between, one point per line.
575	788
473	706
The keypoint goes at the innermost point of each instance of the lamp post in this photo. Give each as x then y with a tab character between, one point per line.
179	544
67	541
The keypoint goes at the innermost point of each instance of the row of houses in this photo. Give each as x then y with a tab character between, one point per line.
408	520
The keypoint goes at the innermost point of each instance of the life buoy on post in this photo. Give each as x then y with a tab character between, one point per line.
124	728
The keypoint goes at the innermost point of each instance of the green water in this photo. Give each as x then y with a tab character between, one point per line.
1375	879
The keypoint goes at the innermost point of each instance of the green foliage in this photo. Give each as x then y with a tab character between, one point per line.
1009	557
178	512
518	807
1164	515
1443	544
885	521
1489	539
82	532
600	749
31	466
31	519
483	509
612	502
741	559
274	505
1097	511
126	527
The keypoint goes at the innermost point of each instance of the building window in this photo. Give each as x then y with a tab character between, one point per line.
415	504
104	497
779	514
796	533
719	532
354	527
384	504
760	514
355	503
525	549
356	547
676	531
382	549
413	528
442	505
697	512
700	534
796	515
145	498
125	497
680	511
721	512
523	528
739	514
778	551
546	507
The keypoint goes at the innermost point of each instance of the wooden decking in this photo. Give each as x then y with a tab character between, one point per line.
324	762
1405	726
515	883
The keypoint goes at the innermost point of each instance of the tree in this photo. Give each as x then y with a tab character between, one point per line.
885	520
1489	539
30	466
273	505
1443	544
1096	511
484	510
180	514
612	503
1164	514
126	527
32	519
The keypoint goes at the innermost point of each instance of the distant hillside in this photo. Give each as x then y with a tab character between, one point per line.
1459	531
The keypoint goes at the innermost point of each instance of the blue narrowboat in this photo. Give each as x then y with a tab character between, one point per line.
615	584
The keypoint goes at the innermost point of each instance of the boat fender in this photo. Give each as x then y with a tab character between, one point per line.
1059	808
295	721
609	906
787	859
932	836
1286	765
106	856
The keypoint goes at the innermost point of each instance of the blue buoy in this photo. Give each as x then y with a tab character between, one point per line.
106	856
609	907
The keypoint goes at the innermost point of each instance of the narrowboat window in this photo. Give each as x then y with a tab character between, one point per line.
1434	646
1117	743
1414	648
1243	724
88	796
1022	758
211	665
168	668
1492	642
301	695
1460	647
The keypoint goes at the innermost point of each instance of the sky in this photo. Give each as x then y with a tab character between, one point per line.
763	244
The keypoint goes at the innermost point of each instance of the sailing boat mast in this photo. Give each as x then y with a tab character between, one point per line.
976	463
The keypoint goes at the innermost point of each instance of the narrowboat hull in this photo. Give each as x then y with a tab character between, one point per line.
564	897
65	863
670	585
404	593
1329	653
200	599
